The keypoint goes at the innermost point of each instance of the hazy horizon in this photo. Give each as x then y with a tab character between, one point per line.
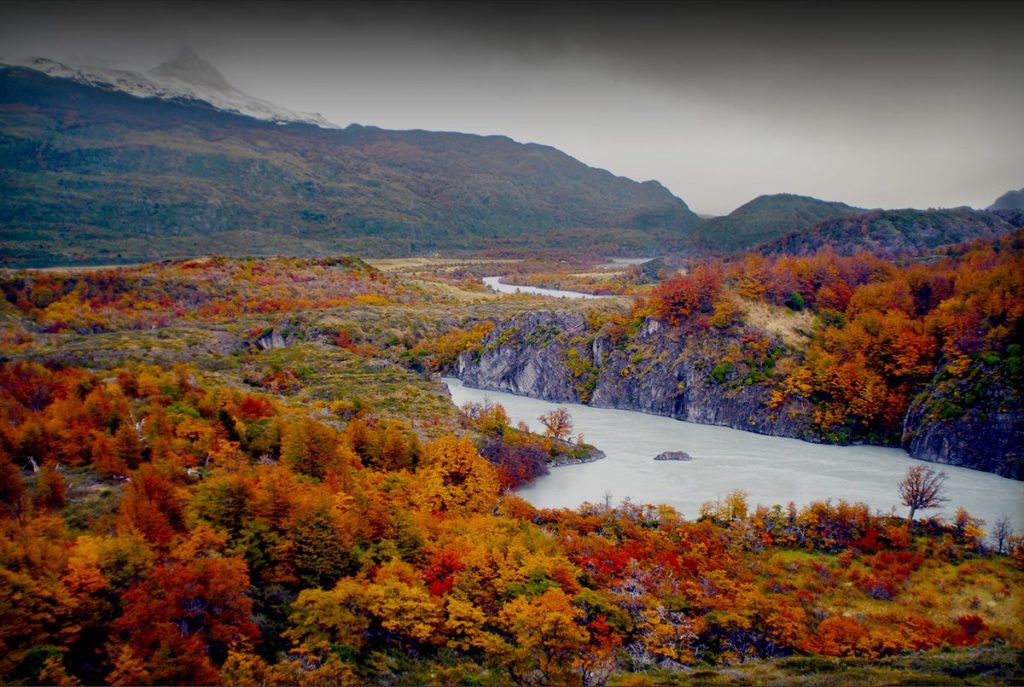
875	105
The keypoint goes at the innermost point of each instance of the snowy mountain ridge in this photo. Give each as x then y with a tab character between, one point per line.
184	76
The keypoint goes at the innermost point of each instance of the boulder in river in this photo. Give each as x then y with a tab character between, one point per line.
673	455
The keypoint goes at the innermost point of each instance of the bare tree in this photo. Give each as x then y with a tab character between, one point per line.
1001	532
922	488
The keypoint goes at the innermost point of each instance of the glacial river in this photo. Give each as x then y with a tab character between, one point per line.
496	284
770	469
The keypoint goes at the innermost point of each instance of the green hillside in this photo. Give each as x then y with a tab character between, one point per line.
899	232
95	175
1011	200
766	218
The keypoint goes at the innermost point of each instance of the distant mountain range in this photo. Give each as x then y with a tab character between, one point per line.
101	166
1011	200
766	218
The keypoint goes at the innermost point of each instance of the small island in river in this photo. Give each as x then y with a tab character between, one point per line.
673	455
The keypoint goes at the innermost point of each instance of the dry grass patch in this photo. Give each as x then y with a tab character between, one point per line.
794	328
454	292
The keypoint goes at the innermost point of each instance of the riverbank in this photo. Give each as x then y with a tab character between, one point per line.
496	284
772	470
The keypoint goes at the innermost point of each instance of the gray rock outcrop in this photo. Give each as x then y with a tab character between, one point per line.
555	357
673	455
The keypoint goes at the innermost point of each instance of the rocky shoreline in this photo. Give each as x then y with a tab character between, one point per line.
593	455
556	357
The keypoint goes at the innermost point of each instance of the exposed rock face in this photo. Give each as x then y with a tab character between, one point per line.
988	435
557	357
673	455
520	361
270	340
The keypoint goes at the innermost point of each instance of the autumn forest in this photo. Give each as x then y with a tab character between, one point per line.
270	489
365	343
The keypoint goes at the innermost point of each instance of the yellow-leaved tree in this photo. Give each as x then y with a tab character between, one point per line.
545	639
454	478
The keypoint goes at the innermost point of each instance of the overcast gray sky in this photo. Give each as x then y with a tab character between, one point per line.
874	104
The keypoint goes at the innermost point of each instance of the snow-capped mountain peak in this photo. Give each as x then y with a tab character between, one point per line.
188	67
185	76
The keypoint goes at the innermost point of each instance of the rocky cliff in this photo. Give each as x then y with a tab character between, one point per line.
976	422
560	357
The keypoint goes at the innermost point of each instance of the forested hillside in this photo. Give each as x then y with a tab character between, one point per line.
891	233
1011	200
767	218
97	175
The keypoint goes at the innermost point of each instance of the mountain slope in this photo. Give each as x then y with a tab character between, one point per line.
92	173
1011	200
766	218
898	232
